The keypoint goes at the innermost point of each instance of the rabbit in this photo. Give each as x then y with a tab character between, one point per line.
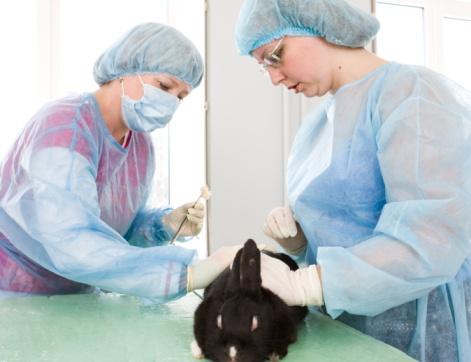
239	320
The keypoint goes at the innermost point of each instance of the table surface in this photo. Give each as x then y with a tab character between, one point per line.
111	327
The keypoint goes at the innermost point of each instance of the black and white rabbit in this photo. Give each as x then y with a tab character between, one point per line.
239	320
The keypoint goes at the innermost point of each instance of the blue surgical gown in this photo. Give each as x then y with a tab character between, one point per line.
379	178
74	210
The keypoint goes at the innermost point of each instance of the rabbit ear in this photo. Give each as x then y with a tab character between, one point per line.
250	279
234	279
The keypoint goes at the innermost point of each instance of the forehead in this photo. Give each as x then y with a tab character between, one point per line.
240	305
262	51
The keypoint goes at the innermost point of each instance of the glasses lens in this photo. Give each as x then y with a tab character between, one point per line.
273	59
263	69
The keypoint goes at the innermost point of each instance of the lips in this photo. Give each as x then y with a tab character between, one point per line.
298	87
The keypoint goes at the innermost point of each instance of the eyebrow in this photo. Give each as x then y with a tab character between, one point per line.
165	80
174	83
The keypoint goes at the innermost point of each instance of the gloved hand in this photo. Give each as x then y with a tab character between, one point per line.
281	226
203	273
299	287
192	226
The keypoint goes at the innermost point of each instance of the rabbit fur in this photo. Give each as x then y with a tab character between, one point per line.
239	320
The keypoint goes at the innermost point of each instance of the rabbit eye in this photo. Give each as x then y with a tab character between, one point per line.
219	321
254	325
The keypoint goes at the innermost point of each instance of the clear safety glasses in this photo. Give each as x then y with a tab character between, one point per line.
273	58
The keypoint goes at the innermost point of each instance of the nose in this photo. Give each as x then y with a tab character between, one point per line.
276	75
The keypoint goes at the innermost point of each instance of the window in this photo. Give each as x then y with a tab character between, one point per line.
427	32
456	52
405	43
49	48
19	89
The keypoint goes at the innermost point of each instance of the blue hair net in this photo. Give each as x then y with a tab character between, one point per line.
151	48
262	21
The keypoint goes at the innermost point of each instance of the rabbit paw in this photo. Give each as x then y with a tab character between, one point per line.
274	357
196	351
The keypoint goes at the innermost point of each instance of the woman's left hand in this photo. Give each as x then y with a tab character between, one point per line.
296	287
193	214
281	226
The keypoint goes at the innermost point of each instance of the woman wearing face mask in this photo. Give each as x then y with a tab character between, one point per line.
378	179
74	187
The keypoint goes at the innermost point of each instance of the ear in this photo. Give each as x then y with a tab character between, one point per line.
233	283
250	279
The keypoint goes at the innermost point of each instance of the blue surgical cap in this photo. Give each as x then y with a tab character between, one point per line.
151	48
262	21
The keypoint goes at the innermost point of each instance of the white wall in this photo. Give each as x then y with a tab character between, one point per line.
244	126
250	126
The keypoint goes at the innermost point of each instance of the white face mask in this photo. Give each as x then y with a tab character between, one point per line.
154	110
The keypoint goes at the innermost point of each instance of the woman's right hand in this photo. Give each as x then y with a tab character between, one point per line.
205	271
281	226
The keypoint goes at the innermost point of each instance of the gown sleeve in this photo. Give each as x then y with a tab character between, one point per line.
52	215
147	228
423	235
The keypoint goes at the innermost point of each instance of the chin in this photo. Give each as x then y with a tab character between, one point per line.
310	93
315	92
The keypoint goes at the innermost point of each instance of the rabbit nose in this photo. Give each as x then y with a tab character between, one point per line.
232	354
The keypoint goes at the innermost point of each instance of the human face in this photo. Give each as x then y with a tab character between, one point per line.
303	66
167	83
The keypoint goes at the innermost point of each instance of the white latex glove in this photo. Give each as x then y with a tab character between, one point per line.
203	273
299	287
192	226
281	226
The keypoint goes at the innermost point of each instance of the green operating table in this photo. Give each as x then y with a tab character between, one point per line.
110	327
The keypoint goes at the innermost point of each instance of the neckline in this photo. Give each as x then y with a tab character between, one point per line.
363	78
102	124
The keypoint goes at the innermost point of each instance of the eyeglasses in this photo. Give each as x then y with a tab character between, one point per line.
273	58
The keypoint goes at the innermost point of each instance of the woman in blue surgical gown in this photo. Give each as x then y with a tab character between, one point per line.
74	187
379	180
